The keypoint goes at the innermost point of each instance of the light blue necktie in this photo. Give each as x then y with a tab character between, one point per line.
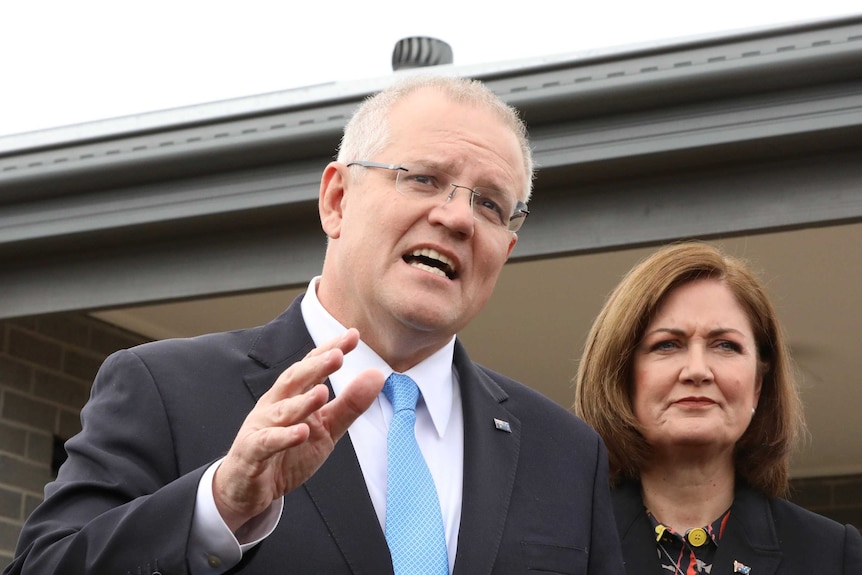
414	524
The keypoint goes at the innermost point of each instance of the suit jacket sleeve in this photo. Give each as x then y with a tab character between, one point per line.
119	503
852	550
606	554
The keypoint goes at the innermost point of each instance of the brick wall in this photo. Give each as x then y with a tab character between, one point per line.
837	497
47	365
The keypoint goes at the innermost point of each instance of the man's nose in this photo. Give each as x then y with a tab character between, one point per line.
456	215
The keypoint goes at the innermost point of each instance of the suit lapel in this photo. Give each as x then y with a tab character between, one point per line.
750	537
338	491
338	487
281	343
490	462
638	545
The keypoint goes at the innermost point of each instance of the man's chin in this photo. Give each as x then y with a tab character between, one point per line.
427	320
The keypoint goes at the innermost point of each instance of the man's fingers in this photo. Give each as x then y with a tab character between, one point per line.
273	440
352	402
317	365
291	431
346	342
296	409
304	375
278	426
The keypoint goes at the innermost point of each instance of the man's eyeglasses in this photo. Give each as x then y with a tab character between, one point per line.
488	205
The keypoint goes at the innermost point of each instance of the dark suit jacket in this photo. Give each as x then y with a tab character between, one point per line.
770	535
535	499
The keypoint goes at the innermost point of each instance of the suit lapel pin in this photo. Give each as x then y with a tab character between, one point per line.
741	568
502	425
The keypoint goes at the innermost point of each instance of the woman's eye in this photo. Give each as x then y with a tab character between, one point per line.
666	345
729	346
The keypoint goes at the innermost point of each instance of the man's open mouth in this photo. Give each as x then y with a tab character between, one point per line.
431	261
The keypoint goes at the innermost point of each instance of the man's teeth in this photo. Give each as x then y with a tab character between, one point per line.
434	255
428	268
427	259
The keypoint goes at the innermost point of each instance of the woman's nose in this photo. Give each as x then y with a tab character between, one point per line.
696	369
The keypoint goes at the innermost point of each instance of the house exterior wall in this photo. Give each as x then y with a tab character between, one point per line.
47	365
837	497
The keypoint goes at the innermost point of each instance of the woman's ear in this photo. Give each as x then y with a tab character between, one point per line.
763	368
330	203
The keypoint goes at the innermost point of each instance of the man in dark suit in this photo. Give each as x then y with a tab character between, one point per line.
228	453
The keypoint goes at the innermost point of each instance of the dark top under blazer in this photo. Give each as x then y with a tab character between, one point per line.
534	500
770	535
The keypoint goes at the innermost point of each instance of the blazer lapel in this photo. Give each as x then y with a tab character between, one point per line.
281	343
750	537
490	459
340	495
338	488
638	545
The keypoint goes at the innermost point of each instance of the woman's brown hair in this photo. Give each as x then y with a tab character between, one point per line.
604	380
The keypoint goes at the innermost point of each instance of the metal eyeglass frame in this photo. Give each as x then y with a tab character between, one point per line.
516	218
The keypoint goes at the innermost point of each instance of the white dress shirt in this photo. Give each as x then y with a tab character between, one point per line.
439	433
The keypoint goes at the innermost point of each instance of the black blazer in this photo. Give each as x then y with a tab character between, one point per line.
770	535
534	499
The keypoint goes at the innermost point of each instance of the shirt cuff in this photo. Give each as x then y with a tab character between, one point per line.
213	548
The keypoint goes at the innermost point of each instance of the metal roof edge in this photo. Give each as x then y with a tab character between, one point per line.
317	94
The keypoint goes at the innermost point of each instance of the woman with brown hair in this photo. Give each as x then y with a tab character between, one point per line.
687	377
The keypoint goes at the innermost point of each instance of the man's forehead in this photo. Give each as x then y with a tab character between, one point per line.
425	111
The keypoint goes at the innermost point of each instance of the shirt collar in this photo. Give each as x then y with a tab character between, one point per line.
713	531
434	375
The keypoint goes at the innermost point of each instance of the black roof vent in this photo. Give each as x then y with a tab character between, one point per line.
420	52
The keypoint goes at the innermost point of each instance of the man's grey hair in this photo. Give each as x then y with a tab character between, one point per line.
367	132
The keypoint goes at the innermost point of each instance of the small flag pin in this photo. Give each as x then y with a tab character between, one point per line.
502	425
741	568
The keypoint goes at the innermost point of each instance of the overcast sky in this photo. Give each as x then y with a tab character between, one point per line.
66	61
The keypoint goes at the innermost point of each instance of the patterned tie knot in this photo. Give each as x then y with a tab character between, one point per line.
401	391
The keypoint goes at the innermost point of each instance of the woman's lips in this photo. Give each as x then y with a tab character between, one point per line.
694	402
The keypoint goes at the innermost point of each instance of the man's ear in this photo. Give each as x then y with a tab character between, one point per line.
330	203
512	243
